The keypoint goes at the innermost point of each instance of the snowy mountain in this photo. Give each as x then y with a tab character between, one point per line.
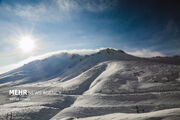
109	84
59	64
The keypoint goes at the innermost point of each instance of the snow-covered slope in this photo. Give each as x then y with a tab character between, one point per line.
61	64
169	114
103	85
42	69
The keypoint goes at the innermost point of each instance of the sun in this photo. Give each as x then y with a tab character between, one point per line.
26	44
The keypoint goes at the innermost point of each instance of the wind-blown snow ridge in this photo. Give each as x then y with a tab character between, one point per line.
49	66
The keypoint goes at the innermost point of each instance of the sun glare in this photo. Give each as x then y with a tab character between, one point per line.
26	44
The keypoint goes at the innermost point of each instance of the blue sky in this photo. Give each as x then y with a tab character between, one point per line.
140	27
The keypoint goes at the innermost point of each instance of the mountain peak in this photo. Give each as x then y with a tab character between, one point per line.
111	51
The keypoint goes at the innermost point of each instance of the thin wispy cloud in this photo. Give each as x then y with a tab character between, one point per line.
55	10
36	12
31	12
99	5
145	53
68	5
21	63
88	5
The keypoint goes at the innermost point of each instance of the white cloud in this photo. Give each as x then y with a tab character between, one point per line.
89	5
67	5
145	53
55	10
74	51
35	12
28	11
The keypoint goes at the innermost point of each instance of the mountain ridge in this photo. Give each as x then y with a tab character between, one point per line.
47	68
91	86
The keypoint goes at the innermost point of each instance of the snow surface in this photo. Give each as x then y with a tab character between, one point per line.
109	84
169	114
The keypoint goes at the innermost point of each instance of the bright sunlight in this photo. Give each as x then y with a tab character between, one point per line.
26	44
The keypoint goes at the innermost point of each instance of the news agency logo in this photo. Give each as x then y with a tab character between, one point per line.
18	92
